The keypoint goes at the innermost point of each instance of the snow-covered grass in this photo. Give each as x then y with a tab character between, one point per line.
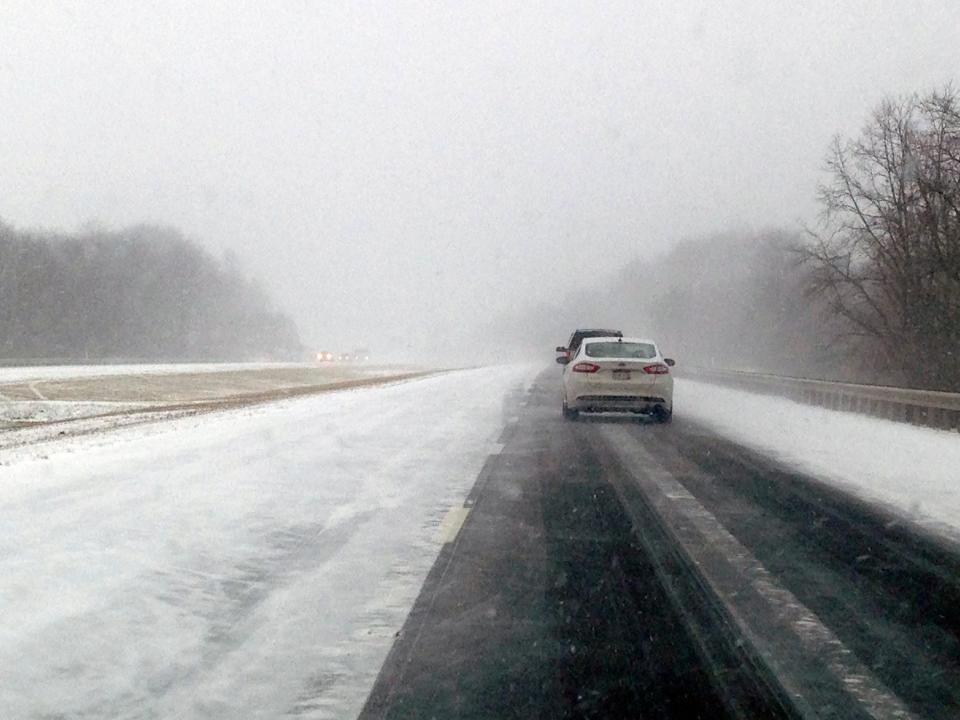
82	392
252	563
57	372
912	470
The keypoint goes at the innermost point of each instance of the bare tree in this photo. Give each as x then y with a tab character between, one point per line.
887	256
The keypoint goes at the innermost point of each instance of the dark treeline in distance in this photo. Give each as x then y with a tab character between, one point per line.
870	294
143	293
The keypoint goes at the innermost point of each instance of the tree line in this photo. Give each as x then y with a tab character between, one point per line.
145	292
886	258
870	292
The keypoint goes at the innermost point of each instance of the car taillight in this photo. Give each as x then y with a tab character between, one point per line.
656	369
586	367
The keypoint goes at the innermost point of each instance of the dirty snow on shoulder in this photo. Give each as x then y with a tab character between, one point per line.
254	563
912	470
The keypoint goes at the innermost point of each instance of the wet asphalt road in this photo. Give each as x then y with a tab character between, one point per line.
566	595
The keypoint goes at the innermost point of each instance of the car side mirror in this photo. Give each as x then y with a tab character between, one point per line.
561	349
670	362
563	360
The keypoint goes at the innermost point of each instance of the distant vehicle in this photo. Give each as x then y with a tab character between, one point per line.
573	344
325	356
617	374
361	355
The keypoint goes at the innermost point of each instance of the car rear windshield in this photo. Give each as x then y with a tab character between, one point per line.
639	351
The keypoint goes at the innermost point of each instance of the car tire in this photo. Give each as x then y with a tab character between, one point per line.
569	414
662	415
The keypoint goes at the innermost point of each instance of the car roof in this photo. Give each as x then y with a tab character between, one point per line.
607	333
577	336
615	338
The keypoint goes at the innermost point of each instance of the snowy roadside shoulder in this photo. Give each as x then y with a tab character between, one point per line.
913	470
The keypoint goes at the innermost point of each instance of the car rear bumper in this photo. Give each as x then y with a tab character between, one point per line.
618	403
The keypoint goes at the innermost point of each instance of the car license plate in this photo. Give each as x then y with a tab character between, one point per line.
621	374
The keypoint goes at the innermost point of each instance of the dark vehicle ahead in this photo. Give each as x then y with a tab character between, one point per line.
573	344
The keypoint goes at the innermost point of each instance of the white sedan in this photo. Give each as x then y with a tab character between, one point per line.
613	374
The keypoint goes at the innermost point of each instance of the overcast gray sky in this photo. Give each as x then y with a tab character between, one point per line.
393	169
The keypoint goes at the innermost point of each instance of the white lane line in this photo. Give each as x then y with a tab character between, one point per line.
451	524
815	637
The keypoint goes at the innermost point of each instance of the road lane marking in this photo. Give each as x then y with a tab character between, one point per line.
451	524
670	497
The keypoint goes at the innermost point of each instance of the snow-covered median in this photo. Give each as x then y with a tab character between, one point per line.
914	470
255	563
90	393
23	373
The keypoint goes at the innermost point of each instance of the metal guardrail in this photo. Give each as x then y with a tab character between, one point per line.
918	407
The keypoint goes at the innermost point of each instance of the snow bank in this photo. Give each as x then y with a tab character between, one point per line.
913	470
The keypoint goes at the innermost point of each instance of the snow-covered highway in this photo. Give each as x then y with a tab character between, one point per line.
247	564
448	546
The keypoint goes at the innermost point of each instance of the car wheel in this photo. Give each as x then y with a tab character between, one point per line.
569	414
662	415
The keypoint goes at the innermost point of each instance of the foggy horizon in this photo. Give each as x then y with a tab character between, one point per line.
391	174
